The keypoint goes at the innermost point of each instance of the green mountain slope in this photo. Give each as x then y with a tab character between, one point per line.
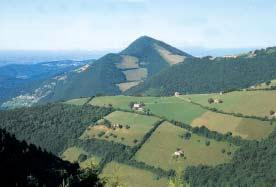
110	75
201	75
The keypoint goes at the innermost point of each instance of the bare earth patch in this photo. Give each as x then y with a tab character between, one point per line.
168	56
128	62
127	85
136	74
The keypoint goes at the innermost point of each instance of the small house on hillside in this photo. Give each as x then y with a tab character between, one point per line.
138	107
178	153
176	94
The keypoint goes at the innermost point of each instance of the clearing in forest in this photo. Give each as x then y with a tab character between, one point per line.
125	127
167	142
124	175
244	127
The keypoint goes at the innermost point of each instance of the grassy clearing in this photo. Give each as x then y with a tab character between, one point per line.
244	127
139	126
127	85
170	107
72	155
128	62
256	103
159	149
136	74
264	85
125	175
168	56
79	101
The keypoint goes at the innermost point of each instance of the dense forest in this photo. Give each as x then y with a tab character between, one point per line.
24	164
254	164
202	75
51	126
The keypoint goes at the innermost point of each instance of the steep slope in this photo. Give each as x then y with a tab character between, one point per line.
110	75
202	75
27	165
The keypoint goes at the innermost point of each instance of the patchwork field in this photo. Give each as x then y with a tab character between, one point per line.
136	74
159	149
128	62
244	127
171	108
168	56
79	101
256	103
124	175
138	124
127	85
73	154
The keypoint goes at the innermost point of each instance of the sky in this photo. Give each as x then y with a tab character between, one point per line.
101	25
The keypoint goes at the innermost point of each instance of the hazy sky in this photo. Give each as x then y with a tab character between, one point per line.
113	24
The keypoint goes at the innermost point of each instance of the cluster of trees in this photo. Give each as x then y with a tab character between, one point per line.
25	164
266	118
205	75
254	164
51	126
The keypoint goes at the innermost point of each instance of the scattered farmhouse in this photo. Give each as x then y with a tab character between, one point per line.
272	114
176	94
178	153
216	101
137	106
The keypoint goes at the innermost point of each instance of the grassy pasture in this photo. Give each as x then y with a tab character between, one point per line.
170	107
129	176
256	103
72	155
139	125
79	101
244	127
158	150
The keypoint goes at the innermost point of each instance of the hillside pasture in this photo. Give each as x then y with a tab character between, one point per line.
72	154
125	175
127	85
159	149
138	124
136	74
255	103
128	62
243	127
171	108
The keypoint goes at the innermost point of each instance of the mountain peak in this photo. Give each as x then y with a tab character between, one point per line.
145	44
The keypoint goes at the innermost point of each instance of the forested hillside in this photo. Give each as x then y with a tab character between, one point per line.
211	75
24	164
51	126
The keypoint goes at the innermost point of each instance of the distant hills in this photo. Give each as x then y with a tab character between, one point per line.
151	67
19	79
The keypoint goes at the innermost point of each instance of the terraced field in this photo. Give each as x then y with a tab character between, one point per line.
256	103
159	149
244	127
124	175
138	124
